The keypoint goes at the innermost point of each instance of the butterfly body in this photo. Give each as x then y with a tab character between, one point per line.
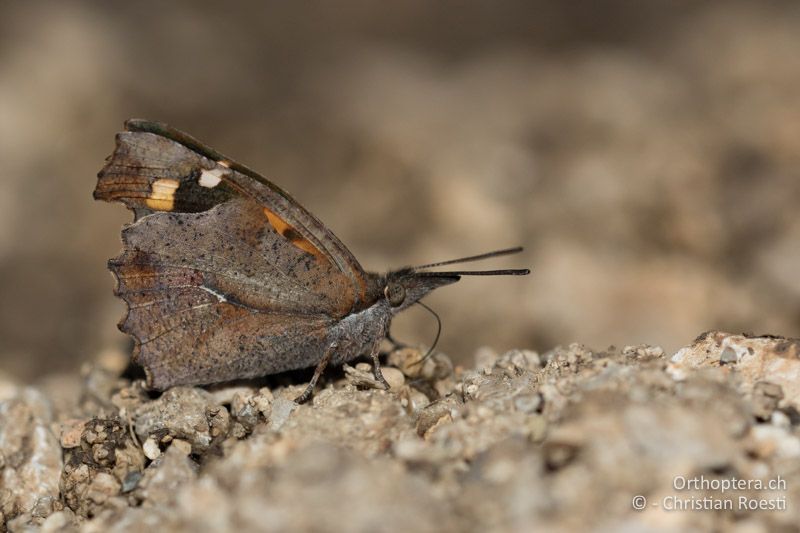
227	277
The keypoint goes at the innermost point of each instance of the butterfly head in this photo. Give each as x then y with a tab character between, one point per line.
405	287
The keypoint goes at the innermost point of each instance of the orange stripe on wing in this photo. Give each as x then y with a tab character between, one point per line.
294	236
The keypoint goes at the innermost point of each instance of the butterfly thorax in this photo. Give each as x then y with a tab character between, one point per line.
358	332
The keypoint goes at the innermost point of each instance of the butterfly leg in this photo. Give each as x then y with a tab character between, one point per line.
303	398
376	366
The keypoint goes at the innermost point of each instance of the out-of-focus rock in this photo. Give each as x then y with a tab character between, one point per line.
63	520
71	432
766	397
367	421
438	413
165	476
559	441
100	384
752	359
30	457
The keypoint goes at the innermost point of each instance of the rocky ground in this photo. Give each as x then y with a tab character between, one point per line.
523	441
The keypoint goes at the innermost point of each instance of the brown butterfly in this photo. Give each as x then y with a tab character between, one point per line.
226	276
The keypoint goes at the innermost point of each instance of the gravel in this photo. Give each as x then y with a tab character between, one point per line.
557	441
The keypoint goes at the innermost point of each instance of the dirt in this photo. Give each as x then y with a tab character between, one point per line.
564	440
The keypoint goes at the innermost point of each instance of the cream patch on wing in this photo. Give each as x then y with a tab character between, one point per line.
211	178
162	194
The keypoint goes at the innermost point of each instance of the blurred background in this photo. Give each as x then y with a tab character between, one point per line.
646	154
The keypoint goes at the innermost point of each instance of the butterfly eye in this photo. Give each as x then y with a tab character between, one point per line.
395	293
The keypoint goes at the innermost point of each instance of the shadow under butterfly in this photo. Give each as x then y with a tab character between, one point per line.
226	276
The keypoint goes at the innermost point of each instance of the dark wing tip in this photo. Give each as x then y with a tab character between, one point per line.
141	124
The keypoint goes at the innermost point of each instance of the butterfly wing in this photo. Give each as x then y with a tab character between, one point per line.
224	274
158	168
221	295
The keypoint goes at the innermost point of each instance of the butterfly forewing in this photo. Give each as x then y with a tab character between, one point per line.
150	173
157	168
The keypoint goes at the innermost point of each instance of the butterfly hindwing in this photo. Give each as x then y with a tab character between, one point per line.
223	286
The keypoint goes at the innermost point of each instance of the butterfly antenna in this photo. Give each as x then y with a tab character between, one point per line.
429	353
496	253
505	272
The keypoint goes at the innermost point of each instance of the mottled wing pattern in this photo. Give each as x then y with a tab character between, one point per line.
158	168
225	276
150	173
221	295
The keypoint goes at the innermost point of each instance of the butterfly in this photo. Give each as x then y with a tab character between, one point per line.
226	276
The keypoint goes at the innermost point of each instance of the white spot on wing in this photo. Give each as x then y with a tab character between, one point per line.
211	178
220	297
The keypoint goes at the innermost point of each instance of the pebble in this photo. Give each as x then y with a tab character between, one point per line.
131	481
728	356
103	487
528	403
394	377
281	410
151	449
181	445
58	521
766	397
71	431
408	360
536	428
780	419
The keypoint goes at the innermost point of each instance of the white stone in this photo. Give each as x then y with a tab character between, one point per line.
151	449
